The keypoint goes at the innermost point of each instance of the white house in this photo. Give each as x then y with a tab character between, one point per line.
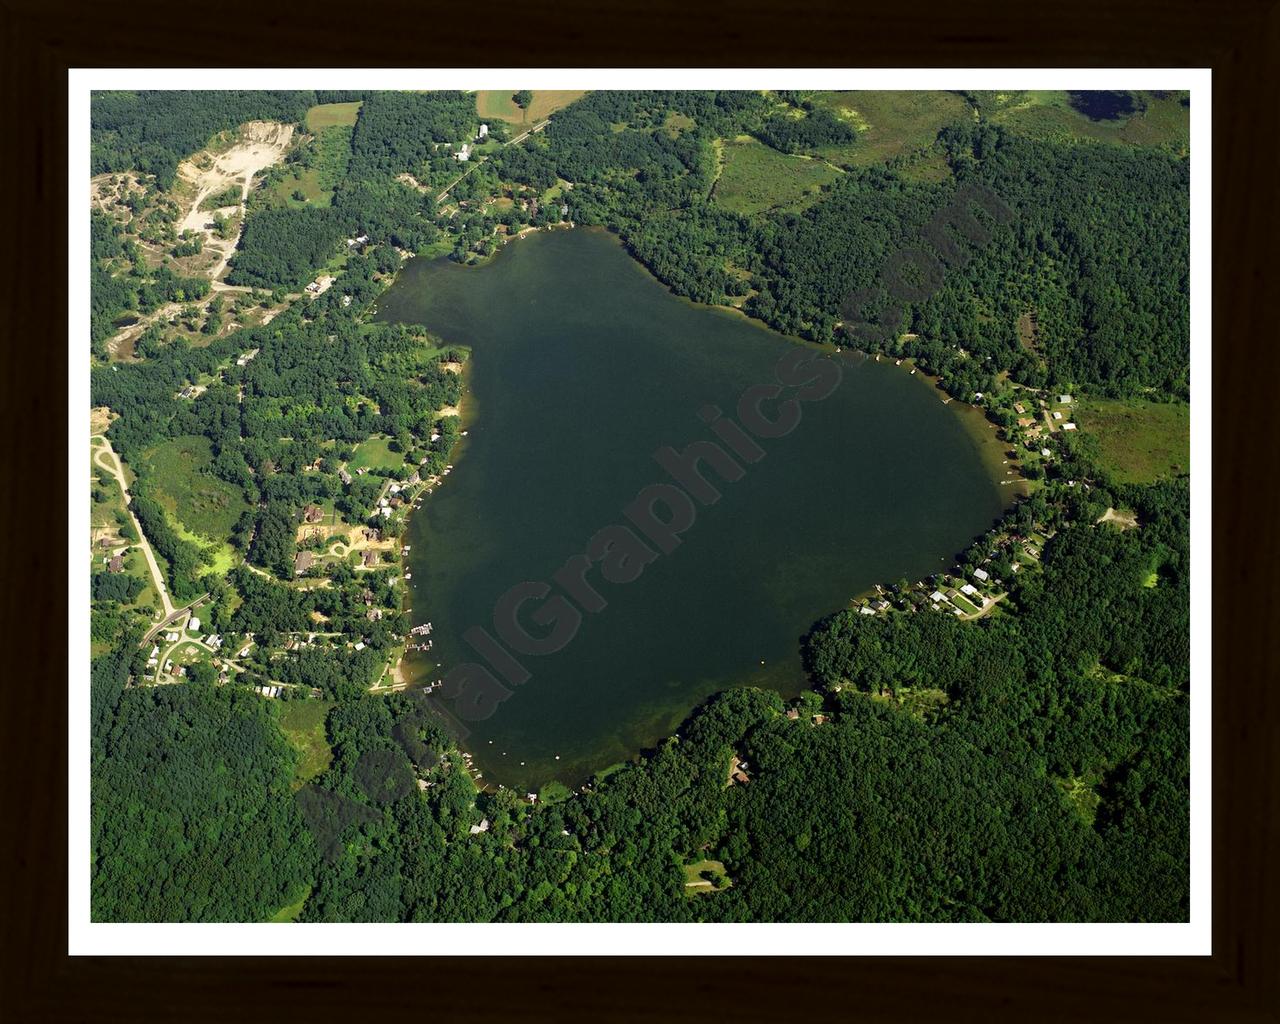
1065	399
969	589
194	625
1068	426
981	574
464	154
484	132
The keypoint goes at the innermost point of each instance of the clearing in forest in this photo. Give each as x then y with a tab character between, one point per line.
756	177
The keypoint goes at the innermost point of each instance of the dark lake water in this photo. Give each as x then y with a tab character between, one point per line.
583	366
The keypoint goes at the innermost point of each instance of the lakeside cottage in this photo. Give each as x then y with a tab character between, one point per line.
982	574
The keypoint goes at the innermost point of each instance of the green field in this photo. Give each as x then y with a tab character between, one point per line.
702	876
201	504
305	180
1165	123
756	177
327	115
375	453
496	104
890	124
302	722
1139	442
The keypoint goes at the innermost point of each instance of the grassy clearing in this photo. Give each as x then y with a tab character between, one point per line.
497	105
756	177
703	876
890	123
329	115
1139	441
291	911
204	506
375	453
1082	794
1164	124
302	722
306	182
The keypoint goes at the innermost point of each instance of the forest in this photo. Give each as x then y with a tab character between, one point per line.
1029	766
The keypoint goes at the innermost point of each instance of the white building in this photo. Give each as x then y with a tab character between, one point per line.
194	625
484	132
464	154
981	574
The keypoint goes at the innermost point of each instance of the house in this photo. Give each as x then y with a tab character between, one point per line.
385	511
464	154
344	476
414	478
564	209
1045	452
982	574
370	559
359	645
313	514
1019	408
866	610
374	615
793	714
313	287
302	562
1068	426
482	827
483	133
1057	415
1025	421
346	301
937	596
1065	399
194	625
969	590
116	564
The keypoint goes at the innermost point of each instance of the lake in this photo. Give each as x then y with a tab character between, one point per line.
583	366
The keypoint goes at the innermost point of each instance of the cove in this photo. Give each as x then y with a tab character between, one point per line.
583	366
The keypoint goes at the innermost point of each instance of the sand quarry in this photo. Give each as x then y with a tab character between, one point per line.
262	143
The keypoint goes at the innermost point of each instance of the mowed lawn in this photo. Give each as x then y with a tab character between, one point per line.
497	105
201	503
756	177
1139	441
890	123
375	453
302	722
327	115
1049	115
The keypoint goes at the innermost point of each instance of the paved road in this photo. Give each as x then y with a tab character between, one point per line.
510	142
105	458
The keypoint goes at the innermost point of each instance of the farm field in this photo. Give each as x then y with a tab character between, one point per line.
755	177
496	104
1139	442
890	124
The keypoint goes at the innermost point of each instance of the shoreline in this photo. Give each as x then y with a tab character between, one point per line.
980	430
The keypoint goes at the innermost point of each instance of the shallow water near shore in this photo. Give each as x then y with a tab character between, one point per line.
582	367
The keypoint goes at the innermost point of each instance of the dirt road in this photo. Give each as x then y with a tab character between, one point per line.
105	458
